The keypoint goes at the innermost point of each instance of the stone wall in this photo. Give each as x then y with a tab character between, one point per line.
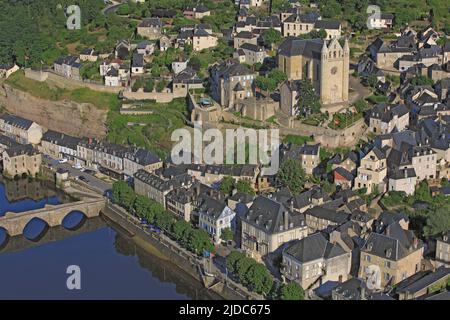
77	119
160	97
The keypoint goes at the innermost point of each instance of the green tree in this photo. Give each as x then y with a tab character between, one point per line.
438	220
181	229
292	291
199	240
242	267
232	260
423	192
308	102
149	85
272	37
372	80
292	175
226	234
227	185
123	194
163	220
271	81
421	80
142	205
244	187
259	278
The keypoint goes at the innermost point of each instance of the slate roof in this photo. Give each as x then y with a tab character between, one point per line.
327	214
344	173
138	60
61	139
268	215
314	247
16	121
394	244
150	22
386	112
425	281
351	289
292	46
21	149
327	24
402	174
161	184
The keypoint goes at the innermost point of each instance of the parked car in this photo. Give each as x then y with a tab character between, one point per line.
77	166
63	160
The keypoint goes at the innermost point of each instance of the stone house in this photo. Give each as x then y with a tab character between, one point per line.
320	218
443	250
137	65
386	54
185	81
214	216
88	54
383	118
422	283
250	54
402	180
267	225
197	12
245	37
231	82
59	145
331	27
150	28
68	67
314	260
203	39
308	155
382	21
372	172
156	187
297	24
21	159
390	256
8	69
21	130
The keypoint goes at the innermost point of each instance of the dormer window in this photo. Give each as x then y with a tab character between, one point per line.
388	253
370	246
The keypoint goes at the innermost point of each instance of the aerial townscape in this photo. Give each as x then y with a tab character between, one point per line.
359	208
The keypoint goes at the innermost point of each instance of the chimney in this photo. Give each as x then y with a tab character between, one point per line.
406	173
197	189
286	220
291	203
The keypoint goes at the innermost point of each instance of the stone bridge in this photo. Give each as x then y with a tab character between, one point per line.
20	243
14	223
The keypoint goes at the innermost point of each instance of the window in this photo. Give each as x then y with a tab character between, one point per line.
387	264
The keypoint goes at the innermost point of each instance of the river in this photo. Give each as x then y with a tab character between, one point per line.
112	266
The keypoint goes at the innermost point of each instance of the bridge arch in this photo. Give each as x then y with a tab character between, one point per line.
35	229
4	238
74	220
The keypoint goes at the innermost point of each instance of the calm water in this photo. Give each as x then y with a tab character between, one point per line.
112	265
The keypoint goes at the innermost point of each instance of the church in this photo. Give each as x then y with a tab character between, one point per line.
324	62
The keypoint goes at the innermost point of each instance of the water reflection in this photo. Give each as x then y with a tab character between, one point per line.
28	194
113	267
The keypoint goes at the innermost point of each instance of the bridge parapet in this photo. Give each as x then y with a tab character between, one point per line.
53	215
